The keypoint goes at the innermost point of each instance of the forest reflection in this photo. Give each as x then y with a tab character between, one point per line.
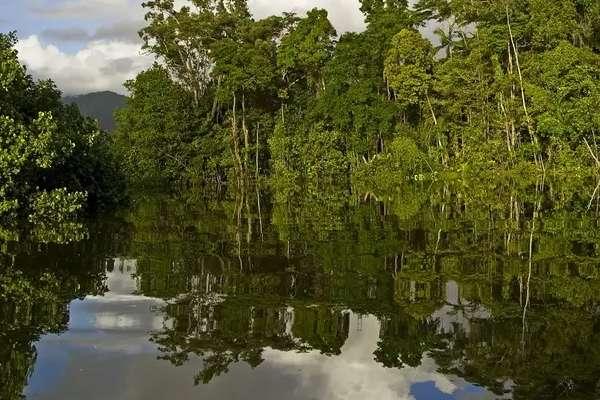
496	286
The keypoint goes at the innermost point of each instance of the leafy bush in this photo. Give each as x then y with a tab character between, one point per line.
318	157
56	206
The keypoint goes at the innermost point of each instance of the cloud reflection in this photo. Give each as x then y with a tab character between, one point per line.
355	375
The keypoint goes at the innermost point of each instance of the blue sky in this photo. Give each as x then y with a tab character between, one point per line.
71	24
92	45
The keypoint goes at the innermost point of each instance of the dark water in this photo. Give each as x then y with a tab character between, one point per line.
430	292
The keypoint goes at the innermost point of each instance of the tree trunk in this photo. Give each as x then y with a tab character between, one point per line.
437	134
235	142
527	117
592	152
213	112
431	109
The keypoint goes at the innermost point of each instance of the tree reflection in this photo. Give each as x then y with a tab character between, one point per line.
497	282
38	280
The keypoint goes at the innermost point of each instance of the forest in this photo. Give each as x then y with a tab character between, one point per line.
510	88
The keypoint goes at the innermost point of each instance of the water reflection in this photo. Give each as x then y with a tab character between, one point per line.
121	308
354	374
462	294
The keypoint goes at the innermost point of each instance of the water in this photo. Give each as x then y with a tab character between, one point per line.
431	292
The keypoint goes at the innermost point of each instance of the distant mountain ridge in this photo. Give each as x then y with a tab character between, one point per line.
99	105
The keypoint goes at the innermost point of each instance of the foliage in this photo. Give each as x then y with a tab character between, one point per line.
319	157
304	52
407	66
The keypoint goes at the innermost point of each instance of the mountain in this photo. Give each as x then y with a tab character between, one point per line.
99	105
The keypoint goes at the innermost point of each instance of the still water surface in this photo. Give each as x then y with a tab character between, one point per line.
434	293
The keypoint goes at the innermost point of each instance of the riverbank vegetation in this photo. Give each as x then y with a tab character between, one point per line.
508	89
511	87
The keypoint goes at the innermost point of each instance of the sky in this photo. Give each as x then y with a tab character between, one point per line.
92	45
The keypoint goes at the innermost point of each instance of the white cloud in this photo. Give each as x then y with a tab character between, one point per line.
345	15
100	65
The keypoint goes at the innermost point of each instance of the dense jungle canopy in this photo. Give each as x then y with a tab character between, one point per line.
509	85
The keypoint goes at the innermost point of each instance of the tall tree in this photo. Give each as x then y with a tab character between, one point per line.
408	69
306	49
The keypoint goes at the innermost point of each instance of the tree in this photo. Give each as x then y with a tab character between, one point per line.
384	18
157	128
306	49
407	69
246	69
551	22
51	157
565	91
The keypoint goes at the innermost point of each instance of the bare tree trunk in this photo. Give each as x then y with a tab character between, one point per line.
592	153
437	134
516	53
235	140
431	109
506	123
256	152
512	96
593	196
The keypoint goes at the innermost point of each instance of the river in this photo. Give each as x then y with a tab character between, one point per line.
431	292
